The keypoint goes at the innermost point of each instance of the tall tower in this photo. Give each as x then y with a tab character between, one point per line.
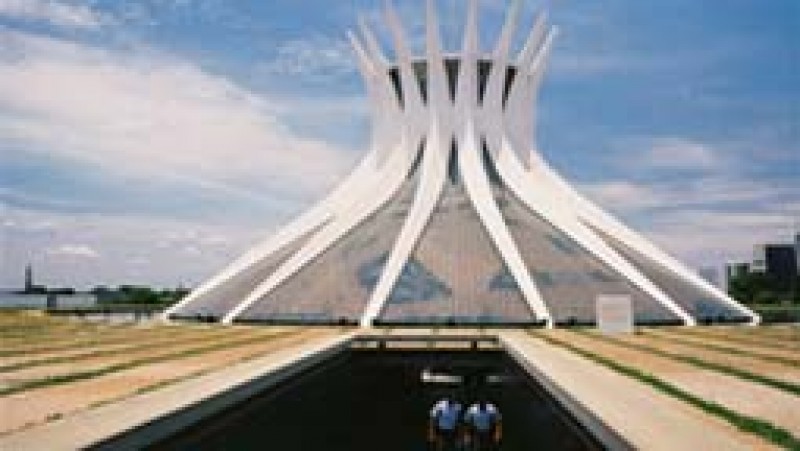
28	278
453	217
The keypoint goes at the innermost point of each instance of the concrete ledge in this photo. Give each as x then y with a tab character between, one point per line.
142	420
604	434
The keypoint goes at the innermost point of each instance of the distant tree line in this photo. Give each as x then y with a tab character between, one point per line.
138	294
762	288
41	289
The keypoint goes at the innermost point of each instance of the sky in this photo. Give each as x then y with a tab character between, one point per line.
152	141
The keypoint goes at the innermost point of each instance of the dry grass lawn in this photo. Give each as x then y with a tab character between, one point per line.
52	367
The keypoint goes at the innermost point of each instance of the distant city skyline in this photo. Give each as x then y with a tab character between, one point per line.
151	142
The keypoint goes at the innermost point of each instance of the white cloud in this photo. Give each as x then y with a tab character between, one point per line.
621	195
83	250
57	13
632	197
703	220
666	153
671	153
73	250
675	174
153	115
702	236
316	56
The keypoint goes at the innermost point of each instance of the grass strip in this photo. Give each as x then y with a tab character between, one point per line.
84	337
45	331
720	348
177	339
787	331
20	330
83	375
745	423
93	338
790	337
46	324
737	338
700	363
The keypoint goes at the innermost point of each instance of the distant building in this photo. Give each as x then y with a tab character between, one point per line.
778	261
35	296
18	299
734	270
28	278
797	250
31	287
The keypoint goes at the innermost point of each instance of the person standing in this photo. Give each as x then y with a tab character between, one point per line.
484	425
443	425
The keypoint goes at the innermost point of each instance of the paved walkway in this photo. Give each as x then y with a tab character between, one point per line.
645	418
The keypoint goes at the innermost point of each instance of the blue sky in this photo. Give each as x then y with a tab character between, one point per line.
150	141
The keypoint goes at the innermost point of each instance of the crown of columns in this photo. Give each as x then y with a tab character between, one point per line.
494	91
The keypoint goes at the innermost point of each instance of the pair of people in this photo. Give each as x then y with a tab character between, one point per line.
479	428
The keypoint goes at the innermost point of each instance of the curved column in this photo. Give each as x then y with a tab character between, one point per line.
479	191
432	178
386	111
466	101
386	181
493	96
385	136
545	200
413	105
548	199
491	112
520	110
473	174
433	172
373	47
534	40
439	105
381	187
300	226
597	218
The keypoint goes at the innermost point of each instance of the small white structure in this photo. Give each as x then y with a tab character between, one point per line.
453	217
614	313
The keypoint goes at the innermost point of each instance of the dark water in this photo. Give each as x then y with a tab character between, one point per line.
373	400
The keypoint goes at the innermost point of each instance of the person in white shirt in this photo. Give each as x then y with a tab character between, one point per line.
484	426
444	424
